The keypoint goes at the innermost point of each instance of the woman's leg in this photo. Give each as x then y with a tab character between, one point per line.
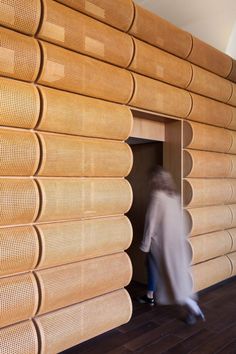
151	275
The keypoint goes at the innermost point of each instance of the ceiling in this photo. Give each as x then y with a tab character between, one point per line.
213	21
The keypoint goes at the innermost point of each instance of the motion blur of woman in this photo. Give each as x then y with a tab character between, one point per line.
165	242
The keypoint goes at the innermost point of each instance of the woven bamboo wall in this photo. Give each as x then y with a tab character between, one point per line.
69	71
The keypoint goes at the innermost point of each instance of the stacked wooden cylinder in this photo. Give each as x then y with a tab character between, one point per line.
69	69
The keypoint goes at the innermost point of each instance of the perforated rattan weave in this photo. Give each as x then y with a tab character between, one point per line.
19	55
20	15
19	249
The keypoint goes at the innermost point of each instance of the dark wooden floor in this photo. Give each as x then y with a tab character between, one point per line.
157	330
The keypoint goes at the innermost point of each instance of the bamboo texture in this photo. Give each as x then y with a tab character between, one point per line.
160	97
66	199
79	240
232	258
93	38
153	29
73	283
119	14
19	298
212	245
73	156
20	55
232	233
19	249
20	338
72	325
78	73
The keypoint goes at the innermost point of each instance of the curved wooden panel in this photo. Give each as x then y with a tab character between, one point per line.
72	283
118	14
232	258
198	163
66	199
232	233
208	138
20	104
78	73
19	249
153	29
93	38
199	192
23	15
206	110
232	99
20	55
208	219
232	149
19	338
210	85
205	274
79	240
19	298
157	64
232	75
19	153
72	325
73	156
159	97
205	247
19	200
232	208
232	124
210	58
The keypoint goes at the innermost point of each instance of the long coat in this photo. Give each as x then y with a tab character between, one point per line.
165	238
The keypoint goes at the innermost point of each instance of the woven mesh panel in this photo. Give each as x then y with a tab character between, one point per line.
19	298
19	249
75	241
64	112
20	104
19	200
19	153
117	13
67	327
20	15
19	56
65	199
74	156
74	72
19	339
60	26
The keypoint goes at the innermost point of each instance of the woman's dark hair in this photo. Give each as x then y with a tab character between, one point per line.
163	181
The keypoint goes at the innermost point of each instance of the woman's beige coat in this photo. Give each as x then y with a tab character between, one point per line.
165	238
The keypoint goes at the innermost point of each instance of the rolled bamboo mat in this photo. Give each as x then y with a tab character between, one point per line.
198	192
206	110
232	100
208	219
119	13
20	104
93	38
79	240
20	55
20	338
66	199
232	233
74	156
232	258
64	112
211	272
210	85
198	163
157	64
72	325
210	58
160	97
208	138
212	245
19	200
232	75
78	73
20	153
23	15
19	298
153	29
19	249
73	283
